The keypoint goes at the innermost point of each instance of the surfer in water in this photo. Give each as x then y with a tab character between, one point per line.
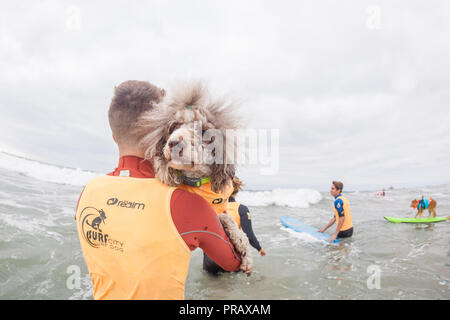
342	213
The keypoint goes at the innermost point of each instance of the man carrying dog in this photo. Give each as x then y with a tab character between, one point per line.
342	213
136	233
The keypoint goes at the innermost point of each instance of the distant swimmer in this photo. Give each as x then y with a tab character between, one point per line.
342	213
382	193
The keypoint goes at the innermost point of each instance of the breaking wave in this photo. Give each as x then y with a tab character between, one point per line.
45	172
296	198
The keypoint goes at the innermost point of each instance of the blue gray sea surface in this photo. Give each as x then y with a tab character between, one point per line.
41	258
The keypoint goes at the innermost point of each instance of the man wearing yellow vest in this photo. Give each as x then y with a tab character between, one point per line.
136	233
342	213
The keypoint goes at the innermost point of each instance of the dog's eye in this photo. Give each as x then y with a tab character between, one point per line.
209	140
204	129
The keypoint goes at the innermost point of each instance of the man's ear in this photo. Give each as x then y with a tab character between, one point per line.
114	139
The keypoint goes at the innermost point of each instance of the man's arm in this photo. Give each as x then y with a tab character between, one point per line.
332	221
199	226
246	225
339	205
338	228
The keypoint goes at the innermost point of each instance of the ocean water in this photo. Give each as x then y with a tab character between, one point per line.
40	255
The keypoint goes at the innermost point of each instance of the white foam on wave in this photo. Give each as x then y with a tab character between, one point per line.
45	172
295	198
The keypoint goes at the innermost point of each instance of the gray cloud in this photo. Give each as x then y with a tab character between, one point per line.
362	104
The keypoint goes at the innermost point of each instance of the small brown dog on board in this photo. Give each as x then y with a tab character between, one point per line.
424	204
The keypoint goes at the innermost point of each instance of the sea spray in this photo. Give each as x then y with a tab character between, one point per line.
295	198
45	172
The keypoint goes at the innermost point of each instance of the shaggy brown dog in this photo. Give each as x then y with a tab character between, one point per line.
185	136
188	134
417	204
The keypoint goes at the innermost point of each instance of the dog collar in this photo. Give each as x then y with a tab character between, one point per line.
194	182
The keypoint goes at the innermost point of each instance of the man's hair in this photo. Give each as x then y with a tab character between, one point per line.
338	185
131	99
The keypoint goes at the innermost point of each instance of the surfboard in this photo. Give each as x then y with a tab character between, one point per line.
301	227
416	220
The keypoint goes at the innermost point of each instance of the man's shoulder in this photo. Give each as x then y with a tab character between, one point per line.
190	201
342	197
339	199
243	209
98	179
338	202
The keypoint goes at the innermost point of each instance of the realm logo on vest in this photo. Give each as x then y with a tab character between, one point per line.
91	224
217	201
125	204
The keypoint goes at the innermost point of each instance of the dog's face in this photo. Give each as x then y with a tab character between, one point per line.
188	148
414	203
189	135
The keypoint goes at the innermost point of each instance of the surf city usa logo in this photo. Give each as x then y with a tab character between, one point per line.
92	223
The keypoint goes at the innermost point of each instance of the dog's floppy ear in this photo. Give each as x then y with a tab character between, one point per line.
163	172
221	176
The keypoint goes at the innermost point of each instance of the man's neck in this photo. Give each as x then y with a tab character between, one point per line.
130	152
134	166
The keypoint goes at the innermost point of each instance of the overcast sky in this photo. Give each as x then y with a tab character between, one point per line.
359	90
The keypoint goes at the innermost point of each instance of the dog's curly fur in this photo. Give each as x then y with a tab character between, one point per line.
172	123
239	240
189	103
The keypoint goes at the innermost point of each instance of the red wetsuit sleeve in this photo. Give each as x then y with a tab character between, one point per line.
199	226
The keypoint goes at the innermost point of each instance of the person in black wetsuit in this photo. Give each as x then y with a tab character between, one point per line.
241	215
